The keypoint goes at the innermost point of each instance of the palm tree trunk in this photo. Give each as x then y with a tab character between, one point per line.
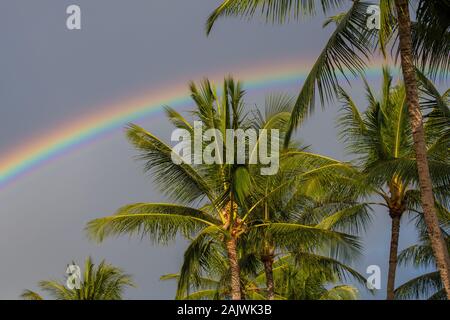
235	269
395	232
437	241
268	270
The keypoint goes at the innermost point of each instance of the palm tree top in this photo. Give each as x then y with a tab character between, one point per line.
101	282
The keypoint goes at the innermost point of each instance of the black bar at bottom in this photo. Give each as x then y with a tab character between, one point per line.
130	310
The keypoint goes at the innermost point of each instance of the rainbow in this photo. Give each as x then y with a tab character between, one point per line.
60	140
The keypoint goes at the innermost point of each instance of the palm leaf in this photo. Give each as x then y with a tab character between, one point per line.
160	222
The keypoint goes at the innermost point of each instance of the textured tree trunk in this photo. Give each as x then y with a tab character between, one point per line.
235	269
268	269
437	241
395	233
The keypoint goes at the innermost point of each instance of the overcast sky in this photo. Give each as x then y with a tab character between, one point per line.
49	76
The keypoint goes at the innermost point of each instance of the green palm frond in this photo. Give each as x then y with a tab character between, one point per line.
336	19
343	292
160	222
203	254
437	114
440	295
406	168
181	182
354	218
388	24
431	97
291	236
178	120
346	51
418	255
273	11
419	287
31	295
351	122
421	255
431	36
313	262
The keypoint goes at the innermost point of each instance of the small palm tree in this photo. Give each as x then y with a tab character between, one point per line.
212	209
104	282
380	138
425	42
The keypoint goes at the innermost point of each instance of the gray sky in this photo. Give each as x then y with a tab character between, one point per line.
50	75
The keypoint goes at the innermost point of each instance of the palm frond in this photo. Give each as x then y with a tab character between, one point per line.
160	222
346	51
292	236
179	181
31	295
342	292
419	287
431	36
273	11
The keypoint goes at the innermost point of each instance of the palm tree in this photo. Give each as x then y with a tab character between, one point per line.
412	97
312	279
104	282
291	218
380	138
211	207
283	207
427	43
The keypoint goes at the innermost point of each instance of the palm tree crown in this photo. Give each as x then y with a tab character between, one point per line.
102	282
220	203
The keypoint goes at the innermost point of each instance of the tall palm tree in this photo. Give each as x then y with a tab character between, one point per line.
102	282
286	217
412	97
306	277
427	43
212	208
380	138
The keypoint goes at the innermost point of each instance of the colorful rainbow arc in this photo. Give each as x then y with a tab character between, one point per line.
37	152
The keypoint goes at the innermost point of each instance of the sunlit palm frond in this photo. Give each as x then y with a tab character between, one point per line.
353	218
343	292
31	295
180	181
203	255
313	262
292	236
160	222
178	120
